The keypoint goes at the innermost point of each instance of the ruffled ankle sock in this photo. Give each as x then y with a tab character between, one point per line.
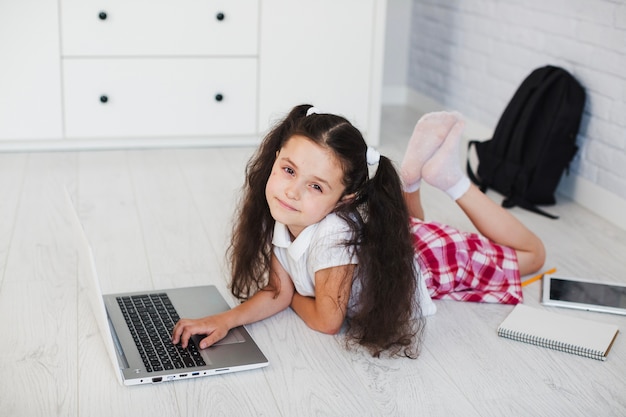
428	135
443	170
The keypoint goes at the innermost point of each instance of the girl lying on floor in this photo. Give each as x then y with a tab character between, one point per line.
315	233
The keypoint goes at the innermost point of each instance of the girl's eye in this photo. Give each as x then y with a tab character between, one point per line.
289	170
316	187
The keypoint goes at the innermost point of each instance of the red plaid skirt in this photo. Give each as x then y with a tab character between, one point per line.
465	266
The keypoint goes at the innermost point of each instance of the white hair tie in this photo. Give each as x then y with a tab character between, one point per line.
313	110
372	156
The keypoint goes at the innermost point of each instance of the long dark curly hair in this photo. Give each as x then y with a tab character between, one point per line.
387	317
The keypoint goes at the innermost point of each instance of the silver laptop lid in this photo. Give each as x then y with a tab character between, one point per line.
89	282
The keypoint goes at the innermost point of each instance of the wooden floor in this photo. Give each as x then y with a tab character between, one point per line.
160	218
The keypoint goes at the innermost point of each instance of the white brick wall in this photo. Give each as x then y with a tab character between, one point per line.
471	55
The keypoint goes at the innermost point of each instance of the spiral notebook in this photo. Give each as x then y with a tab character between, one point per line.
569	334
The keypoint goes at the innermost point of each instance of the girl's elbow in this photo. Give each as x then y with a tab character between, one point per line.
331	331
323	325
329	328
532	260
538	255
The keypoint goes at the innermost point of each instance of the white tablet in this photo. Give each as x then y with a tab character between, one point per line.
584	294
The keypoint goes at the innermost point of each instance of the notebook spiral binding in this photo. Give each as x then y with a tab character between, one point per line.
552	344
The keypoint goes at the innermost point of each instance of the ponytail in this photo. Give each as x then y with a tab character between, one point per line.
388	317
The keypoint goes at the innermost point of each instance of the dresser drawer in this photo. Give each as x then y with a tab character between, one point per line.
159	27
159	97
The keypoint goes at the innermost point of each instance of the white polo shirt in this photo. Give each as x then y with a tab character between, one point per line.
317	247
321	246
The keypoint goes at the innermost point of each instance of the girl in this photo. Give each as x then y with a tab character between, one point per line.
316	233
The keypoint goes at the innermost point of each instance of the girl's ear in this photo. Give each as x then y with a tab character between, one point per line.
346	199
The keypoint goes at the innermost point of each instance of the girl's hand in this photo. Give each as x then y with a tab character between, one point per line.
262	304
214	327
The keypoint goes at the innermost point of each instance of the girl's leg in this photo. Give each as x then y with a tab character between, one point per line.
443	171
414	204
500	226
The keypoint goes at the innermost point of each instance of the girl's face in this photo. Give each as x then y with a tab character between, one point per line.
305	184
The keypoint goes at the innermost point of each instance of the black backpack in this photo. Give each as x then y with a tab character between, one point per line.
534	140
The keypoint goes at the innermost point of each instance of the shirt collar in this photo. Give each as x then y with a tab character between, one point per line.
296	248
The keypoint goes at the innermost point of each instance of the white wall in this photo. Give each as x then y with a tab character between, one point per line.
471	55
397	49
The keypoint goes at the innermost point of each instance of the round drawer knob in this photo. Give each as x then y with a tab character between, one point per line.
219	97
104	99
102	15
220	16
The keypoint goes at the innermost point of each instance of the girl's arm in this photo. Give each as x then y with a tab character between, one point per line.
261	305
327	310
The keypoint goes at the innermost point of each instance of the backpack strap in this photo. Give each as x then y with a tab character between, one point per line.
512	202
510	129
481	184
549	77
509	201
519	152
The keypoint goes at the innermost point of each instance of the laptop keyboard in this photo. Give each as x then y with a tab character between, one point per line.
151	319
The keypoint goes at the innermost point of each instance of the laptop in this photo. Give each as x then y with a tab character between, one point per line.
130	322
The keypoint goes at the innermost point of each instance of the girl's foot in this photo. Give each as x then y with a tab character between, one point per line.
443	170
428	135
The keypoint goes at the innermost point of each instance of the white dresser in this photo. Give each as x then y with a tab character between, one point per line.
134	73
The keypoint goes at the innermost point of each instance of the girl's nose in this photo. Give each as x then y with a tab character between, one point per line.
291	193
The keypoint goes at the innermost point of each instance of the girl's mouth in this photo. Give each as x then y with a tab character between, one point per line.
285	205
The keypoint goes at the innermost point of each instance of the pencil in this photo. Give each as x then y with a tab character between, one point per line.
538	277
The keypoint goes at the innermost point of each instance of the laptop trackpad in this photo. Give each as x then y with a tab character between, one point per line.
233	336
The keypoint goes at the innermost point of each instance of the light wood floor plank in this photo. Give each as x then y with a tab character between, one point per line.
311	375
12	169
39	295
108	211
168	217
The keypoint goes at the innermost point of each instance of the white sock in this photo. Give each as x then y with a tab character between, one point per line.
443	170
428	135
